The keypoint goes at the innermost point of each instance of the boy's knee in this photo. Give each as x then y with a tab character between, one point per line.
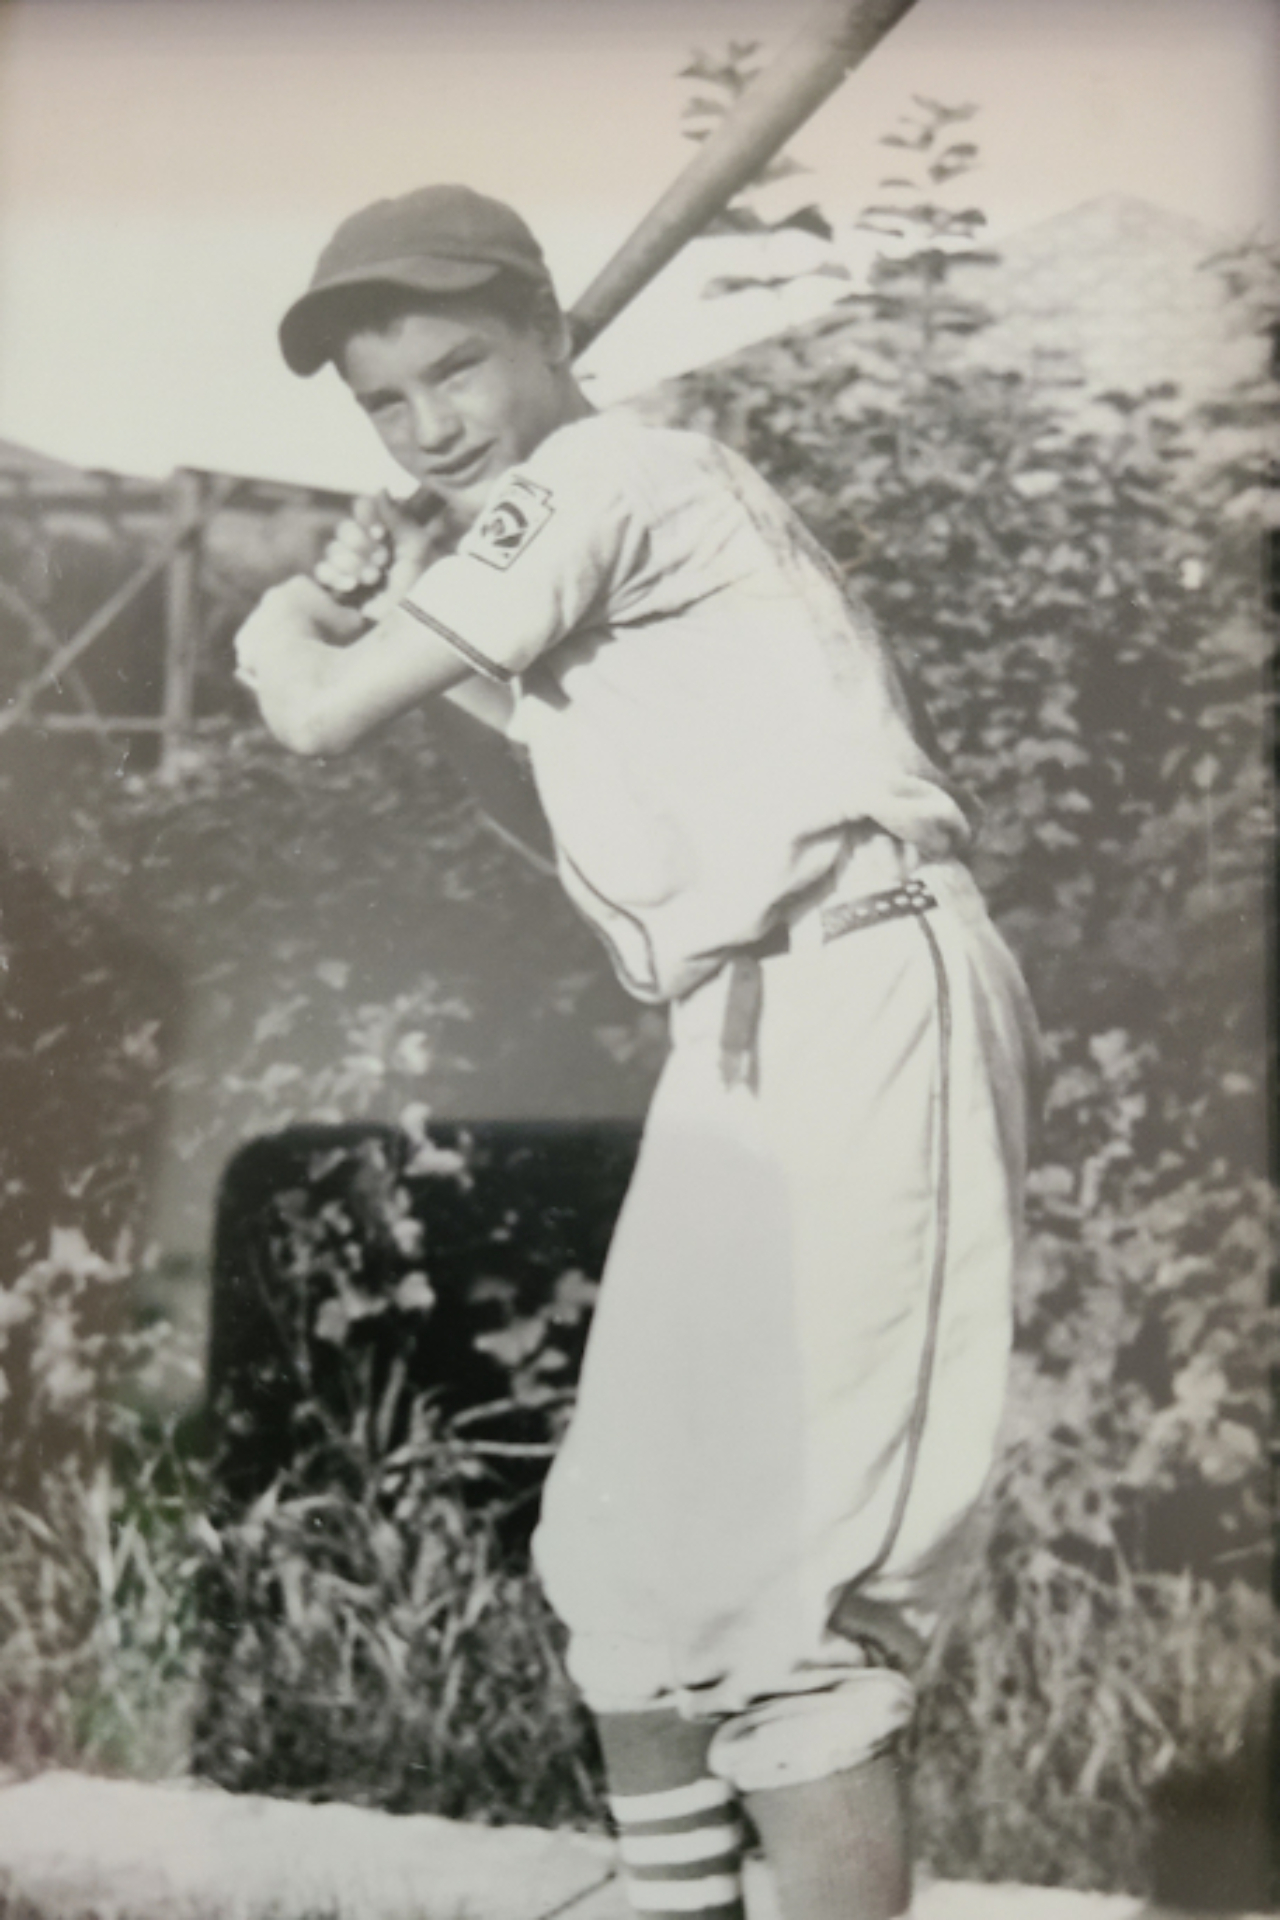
795	1738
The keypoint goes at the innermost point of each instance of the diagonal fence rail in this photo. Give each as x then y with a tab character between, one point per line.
183	511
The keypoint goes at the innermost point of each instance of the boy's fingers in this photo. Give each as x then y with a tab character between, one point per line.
362	541
351	567
358	554
381	540
345	559
334	576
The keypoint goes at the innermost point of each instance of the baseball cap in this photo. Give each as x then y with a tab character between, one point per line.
442	239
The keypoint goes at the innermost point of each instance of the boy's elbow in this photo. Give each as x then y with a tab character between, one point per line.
316	739
306	743
312	732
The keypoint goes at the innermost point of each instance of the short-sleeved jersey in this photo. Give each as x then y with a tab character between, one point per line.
706	709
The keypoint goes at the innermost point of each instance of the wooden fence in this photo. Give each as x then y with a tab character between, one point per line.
171	522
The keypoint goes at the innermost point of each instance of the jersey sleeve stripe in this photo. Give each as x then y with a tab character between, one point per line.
470	654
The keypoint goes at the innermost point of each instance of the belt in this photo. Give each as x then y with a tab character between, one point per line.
812	926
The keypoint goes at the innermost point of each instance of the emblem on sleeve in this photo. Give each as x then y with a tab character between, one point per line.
506	528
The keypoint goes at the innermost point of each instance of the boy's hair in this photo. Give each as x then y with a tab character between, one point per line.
376	306
417	253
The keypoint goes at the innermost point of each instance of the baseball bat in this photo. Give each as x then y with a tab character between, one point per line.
837	38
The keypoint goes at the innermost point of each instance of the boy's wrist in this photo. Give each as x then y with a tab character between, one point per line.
282	644
296	612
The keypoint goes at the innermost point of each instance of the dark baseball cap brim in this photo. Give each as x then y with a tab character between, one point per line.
309	333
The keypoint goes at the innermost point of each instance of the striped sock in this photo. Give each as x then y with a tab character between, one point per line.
679	1831
682	1849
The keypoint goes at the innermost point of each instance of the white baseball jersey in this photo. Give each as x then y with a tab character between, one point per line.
705	709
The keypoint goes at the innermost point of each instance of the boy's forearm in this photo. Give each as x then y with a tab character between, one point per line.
293	686
319	697
289	662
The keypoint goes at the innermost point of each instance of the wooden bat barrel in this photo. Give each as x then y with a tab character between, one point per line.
807	71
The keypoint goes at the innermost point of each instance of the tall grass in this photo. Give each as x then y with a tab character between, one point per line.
368	1628
97	1511
368	1636
98	1640
1067	1719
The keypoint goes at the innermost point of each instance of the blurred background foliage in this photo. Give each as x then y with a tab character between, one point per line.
1079	594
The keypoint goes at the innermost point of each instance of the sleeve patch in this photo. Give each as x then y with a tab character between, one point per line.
506	528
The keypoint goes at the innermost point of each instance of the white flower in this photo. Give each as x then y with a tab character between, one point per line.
415	1293
412	1054
407	1234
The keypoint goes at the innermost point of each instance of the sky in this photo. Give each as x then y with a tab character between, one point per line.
169	170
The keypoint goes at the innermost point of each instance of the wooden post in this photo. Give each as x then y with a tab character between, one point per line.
182	612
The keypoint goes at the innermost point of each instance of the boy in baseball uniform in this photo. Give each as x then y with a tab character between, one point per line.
789	1401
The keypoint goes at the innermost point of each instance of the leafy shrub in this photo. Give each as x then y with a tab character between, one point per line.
457	1256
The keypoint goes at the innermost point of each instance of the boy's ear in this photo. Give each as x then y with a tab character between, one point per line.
555	332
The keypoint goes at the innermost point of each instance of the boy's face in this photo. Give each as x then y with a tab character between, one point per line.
458	395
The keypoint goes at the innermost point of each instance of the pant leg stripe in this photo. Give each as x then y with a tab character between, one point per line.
938	1275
